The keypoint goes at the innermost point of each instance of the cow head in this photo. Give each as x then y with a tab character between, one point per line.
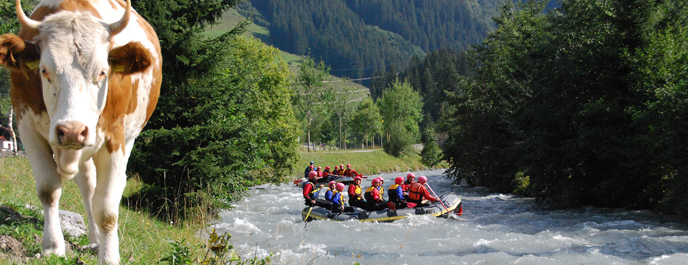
73	54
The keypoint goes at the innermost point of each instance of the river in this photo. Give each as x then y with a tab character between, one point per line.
494	229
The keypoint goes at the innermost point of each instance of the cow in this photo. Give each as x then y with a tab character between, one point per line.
85	79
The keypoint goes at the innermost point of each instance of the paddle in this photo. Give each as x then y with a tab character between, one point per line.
438	197
411	204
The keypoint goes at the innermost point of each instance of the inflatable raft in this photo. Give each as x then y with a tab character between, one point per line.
345	180
451	201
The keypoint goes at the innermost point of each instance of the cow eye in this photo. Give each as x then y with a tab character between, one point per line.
45	73
102	75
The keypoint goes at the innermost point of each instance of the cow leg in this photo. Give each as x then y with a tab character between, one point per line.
48	187
111	179
86	180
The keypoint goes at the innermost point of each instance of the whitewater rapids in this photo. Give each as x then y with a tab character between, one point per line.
494	229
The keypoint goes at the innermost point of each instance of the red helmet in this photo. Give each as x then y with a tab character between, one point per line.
327	167
375	181
357	177
331	182
381	180
422	179
341	166
319	168
410	175
312	174
348	165
340	186
398	180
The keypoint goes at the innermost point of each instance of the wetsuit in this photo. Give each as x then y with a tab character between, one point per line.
355	196
373	200
417	193
396	195
310	192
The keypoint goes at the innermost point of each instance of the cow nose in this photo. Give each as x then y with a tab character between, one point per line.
72	133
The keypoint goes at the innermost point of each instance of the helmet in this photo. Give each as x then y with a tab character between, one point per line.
312	167
357	177
422	179
312	162
327	167
340	186
376	181
410	175
312	174
381	180
398	180
341	166
348	165
319	168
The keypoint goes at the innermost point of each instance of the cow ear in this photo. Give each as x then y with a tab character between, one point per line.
18	54
130	58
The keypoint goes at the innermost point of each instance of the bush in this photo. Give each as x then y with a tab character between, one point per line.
400	140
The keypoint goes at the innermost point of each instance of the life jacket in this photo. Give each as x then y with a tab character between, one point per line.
369	195
314	192
347	172
357	191
338	195
415	192
393	192
340	172
381	190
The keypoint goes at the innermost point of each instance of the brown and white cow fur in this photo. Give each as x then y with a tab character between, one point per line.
85	78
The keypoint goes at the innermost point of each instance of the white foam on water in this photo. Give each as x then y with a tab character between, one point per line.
495	229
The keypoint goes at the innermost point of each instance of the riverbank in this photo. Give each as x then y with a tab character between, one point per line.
366	162
143	239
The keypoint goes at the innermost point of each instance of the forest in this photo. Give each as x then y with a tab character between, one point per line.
584	105
357	38
581	105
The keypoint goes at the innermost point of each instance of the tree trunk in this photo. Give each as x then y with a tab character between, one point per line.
14	136
340	131
308	128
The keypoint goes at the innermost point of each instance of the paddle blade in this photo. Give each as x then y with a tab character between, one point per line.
411	204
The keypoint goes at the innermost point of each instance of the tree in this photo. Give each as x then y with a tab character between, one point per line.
400	108
342	105
243	134
223	121
367	120
311	97
431	154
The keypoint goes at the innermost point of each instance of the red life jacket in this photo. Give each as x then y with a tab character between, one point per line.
416	192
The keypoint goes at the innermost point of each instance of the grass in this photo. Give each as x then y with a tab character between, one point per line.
143	239
366	163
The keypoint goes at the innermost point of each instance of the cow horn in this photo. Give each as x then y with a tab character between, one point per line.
25	21
118	26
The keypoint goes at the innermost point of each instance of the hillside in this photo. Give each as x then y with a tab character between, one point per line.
232	17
